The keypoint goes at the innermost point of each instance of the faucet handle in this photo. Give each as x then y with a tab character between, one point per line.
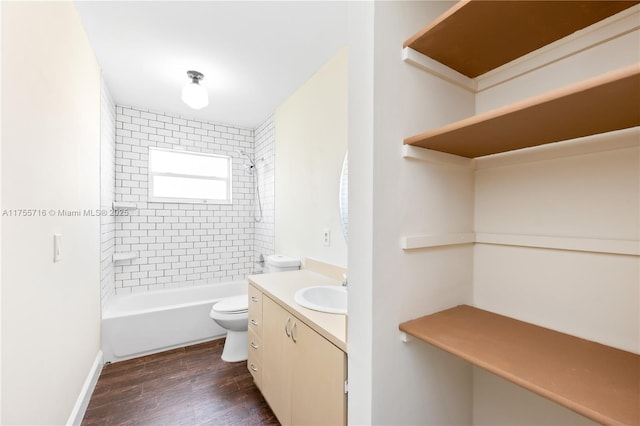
344	280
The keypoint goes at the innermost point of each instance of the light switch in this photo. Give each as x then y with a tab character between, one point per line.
57	247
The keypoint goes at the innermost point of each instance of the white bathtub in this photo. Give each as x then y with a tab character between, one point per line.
143	323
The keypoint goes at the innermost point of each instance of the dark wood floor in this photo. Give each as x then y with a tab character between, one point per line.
186	386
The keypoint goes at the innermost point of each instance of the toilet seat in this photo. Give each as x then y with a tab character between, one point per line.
232	305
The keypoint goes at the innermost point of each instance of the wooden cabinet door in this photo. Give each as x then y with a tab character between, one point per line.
318	372
276	359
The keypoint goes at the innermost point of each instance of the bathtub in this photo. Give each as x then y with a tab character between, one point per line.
144	323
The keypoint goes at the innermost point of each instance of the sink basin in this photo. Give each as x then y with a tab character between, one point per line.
324	298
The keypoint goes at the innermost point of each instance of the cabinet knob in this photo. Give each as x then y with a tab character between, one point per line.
254	322
293	332
286	327
254	299
254	346
253	367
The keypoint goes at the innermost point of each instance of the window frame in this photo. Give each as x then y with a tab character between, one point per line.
151	174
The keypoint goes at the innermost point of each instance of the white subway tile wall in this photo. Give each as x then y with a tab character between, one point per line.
264	149
107	191
180	244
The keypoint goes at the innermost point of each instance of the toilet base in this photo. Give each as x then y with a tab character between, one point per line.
235	346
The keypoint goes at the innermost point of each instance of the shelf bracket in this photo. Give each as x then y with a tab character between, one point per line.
405	338
437	157
425	63
410	242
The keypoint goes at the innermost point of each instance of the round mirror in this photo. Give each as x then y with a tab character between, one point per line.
344	198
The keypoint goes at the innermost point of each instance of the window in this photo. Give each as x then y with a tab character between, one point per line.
189	177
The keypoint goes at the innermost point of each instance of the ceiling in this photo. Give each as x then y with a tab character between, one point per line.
253	54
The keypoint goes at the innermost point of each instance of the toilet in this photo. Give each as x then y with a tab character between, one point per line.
231	313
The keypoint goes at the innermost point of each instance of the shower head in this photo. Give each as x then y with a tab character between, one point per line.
251	165
252	160
243	153
249	169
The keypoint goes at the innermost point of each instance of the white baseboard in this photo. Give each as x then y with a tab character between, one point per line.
79	409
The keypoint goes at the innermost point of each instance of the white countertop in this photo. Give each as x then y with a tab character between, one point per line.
281	287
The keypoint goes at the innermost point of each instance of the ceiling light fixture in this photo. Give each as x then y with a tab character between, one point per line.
193	94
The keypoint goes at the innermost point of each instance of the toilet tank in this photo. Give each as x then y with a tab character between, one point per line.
281	263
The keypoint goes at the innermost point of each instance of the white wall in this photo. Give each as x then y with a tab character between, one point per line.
360	20
180	244
107	192
587	294
499	402
391	382
311	141
50	160
0	231
415	383
593	295
264	141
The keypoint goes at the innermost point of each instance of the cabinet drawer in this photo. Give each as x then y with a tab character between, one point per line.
255	311
255	301
255	324
255	345
255	368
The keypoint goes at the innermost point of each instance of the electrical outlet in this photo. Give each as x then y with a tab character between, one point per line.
326	237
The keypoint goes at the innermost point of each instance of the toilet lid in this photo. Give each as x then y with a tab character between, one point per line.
232	304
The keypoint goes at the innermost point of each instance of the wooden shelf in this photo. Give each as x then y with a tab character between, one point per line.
602	104
474	37
594	380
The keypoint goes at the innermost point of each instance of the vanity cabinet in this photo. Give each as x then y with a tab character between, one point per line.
303	374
